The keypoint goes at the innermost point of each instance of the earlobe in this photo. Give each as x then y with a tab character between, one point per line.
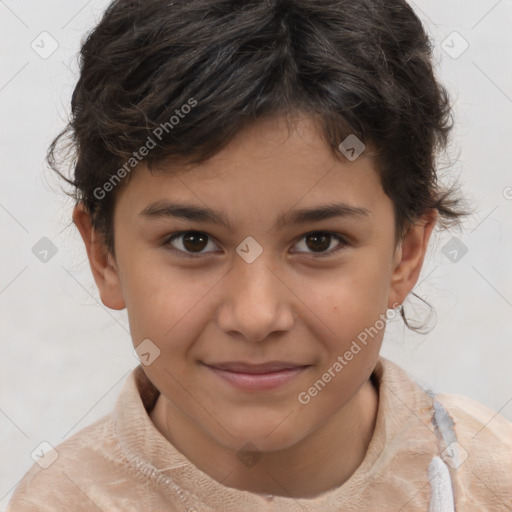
104	270
410	256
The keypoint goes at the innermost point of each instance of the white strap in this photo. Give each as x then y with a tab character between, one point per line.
441	494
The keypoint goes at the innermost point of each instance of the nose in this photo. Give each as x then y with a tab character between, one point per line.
255	301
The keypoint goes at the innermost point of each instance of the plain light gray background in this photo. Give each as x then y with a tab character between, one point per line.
64	356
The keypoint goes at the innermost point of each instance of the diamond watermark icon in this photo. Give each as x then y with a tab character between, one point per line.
454	455
249	454
44	455
352	147
146	352
44	250
45	45
454	250
249	249
454	45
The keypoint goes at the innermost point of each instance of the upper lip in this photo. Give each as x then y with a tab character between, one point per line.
242	367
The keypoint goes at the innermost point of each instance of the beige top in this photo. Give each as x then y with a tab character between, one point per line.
122	462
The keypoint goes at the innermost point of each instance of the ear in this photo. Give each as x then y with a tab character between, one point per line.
102	265
409	258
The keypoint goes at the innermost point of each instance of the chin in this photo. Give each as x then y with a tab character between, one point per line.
260	437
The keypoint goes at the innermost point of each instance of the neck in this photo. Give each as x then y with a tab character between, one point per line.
323	460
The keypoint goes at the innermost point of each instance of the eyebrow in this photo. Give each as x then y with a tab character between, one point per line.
165	209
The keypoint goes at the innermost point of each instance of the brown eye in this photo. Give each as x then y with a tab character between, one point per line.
195	241
318	242
190	243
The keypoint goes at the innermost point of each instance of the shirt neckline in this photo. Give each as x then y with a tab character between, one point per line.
151	454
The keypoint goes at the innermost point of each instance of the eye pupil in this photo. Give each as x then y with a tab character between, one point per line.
195	241
320	242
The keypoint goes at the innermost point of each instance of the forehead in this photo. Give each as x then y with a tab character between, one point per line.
269	167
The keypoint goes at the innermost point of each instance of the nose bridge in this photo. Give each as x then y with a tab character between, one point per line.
255	302
256	279
256	285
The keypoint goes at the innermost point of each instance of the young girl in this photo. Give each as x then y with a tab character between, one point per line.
255	183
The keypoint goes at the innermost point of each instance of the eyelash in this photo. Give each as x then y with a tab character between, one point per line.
339	238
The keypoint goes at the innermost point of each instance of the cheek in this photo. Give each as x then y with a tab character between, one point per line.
167	304
352	302
356	321
353	291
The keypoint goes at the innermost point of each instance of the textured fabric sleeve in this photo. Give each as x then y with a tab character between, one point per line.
482	470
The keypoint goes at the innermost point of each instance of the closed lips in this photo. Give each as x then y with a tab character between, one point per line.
261	368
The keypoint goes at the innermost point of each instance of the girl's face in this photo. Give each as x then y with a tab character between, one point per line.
301	270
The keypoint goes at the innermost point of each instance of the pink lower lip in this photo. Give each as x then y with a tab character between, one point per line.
260	381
